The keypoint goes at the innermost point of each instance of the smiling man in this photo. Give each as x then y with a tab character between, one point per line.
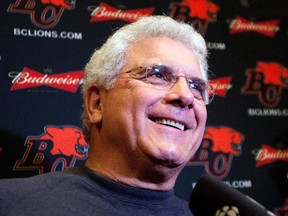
145	95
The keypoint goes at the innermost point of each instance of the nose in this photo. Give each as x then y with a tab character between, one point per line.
180	94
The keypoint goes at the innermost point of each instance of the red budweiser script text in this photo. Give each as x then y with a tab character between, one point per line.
29	78
268	28
221	85
105	12
267	155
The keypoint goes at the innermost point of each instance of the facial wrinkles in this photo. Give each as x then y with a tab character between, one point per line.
175	116
156	109
129	88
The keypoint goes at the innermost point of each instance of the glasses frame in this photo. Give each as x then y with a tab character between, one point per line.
207	94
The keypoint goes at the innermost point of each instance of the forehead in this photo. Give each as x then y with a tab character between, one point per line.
163	50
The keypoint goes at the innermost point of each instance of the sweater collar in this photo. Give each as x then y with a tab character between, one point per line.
120	191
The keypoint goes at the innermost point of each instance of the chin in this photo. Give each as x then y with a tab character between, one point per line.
173	160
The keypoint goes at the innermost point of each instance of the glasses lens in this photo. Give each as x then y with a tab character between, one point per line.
158	75
201	90
197	87
161	76
210	94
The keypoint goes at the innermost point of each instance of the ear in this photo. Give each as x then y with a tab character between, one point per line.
93	104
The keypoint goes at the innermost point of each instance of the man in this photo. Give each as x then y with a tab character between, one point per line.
145	92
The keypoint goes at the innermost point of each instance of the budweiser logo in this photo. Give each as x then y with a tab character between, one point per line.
30	78
105	12
221	85
268	28
267	155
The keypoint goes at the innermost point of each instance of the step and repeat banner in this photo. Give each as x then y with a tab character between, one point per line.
44	45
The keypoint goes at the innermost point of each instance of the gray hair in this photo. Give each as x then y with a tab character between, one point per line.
106	62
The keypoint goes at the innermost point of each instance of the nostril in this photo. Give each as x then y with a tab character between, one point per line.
190	106
180	100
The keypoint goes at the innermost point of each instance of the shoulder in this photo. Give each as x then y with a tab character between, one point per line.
19	185
17	189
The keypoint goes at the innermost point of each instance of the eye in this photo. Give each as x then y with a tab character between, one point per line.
157	72
158	75
197	86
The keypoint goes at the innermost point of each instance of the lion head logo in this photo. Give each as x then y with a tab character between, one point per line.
225	140
275	73
202	9
68	141
68	4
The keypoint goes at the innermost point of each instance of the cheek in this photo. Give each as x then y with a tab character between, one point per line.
142	97
201	115
129	104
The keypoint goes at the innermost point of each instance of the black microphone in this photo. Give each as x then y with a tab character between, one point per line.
211	197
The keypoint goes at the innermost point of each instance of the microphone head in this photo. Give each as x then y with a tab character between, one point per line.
212	197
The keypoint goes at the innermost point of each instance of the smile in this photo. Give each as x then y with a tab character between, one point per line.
170	123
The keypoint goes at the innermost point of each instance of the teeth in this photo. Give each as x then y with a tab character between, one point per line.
171	123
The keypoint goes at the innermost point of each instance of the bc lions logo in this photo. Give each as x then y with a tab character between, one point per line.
219	146
197	12
43	15
267	81
56	149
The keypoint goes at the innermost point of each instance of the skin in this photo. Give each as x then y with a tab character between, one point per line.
127	145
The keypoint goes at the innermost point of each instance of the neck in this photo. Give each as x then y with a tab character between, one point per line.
132	179
136	173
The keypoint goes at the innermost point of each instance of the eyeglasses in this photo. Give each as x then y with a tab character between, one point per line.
162	77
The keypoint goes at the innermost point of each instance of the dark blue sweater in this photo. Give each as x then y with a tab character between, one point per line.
80	191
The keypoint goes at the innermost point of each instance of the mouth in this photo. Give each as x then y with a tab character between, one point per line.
170	123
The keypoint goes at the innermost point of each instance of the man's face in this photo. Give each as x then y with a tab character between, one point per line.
134	111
